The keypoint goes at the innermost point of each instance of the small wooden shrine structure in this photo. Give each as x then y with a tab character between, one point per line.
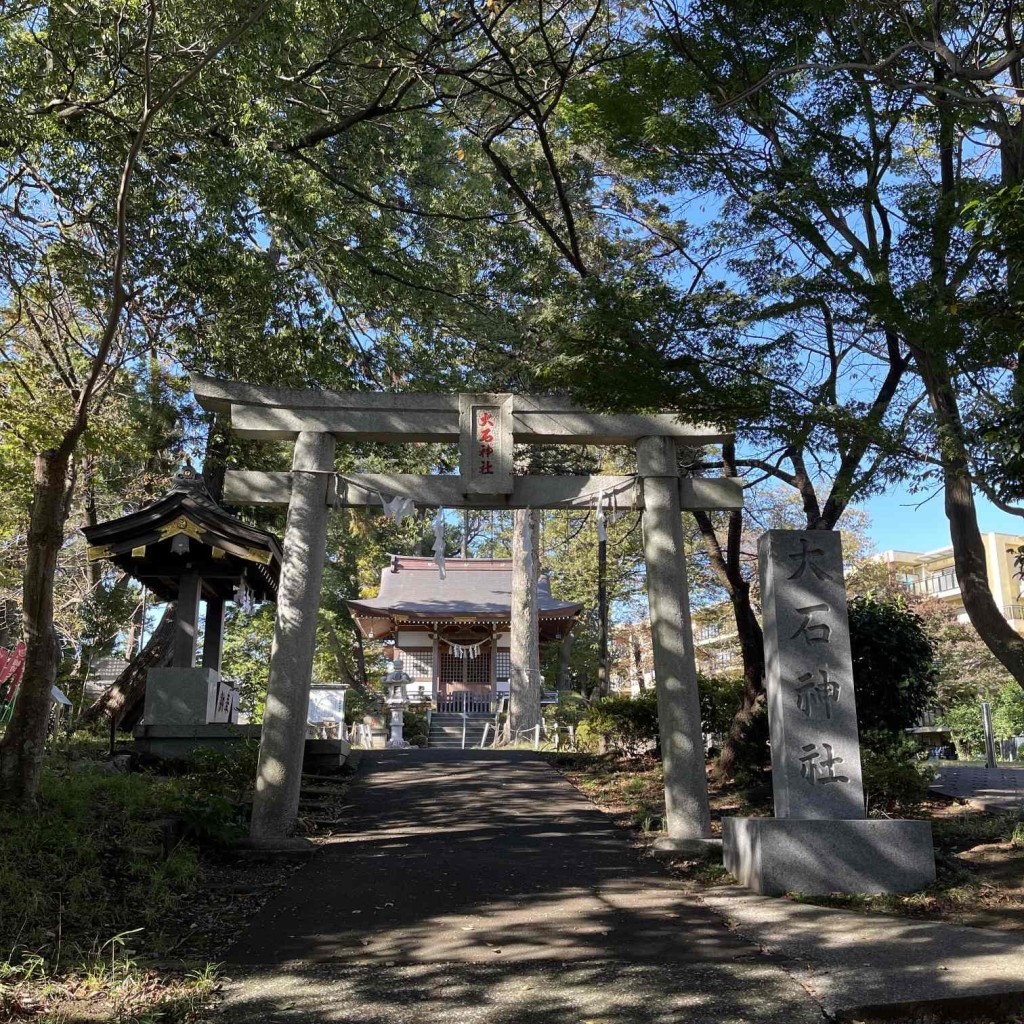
452	635
185	548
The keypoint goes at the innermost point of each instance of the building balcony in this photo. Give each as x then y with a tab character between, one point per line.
936	584
712	631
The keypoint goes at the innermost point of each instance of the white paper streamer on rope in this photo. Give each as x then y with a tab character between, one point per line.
602	533
439	542
398	508
465	650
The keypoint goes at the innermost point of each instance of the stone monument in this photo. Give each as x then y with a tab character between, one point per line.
819	840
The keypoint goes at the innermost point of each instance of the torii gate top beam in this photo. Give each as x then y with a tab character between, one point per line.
281	414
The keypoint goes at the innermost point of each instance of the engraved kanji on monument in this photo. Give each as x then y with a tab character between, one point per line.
812	709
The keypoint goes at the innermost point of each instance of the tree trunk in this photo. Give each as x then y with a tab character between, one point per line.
21	750
130	686
752	647
10	617
524	678
215	458
564	655
728	568
637	657
602	617
968	548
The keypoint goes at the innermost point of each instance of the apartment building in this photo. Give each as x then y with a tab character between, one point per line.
932	574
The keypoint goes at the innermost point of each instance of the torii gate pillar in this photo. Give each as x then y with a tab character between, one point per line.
687	817
279	774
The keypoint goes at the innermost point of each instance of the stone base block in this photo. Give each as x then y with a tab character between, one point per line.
815	856
668	848
180	742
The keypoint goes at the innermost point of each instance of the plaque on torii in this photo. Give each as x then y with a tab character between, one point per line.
485	444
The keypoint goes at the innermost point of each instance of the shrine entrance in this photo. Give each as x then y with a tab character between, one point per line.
485	426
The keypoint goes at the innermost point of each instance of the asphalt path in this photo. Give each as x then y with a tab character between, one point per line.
479	886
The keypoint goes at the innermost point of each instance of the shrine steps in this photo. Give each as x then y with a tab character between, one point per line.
446	730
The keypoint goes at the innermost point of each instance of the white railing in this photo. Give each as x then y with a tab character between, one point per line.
465	702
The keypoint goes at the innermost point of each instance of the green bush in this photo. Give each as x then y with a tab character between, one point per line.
964	724
414	727
895	780
626	724
571	710
893	664
720	699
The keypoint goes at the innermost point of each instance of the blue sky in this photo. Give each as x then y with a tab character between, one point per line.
917	522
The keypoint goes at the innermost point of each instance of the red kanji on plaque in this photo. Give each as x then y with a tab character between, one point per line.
485	425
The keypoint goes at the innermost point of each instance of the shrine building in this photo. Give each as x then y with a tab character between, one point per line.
452	635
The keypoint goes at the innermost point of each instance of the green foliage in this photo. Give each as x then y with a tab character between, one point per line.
91	864
720	699
964	720
967	669
893	663
895	779
246	657
1008	711
572	709
964	724
626	724
414	727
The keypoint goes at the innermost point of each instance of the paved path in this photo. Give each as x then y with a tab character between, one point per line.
999	788
483	888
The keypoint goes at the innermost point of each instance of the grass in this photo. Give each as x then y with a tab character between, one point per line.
105	878
979	855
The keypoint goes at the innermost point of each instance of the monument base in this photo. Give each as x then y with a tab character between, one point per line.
773	856
180	743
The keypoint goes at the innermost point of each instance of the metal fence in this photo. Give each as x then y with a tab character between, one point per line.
937	583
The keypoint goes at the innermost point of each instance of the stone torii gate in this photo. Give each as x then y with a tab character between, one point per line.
485	426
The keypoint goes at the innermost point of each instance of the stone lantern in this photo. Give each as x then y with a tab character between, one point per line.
397	700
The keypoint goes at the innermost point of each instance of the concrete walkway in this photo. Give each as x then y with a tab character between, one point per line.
991	789
479	887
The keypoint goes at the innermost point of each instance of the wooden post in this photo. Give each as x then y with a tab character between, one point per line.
279	774
494	665
213	634
688	819
183	650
